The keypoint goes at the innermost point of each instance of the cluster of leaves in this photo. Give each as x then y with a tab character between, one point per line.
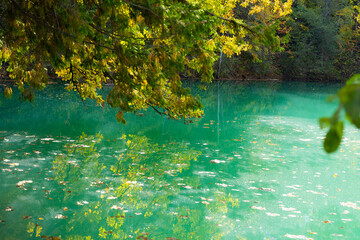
349	101
262	18
140	46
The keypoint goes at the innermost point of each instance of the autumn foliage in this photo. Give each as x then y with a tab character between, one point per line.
139	46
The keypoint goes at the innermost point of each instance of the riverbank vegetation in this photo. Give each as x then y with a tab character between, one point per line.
320	41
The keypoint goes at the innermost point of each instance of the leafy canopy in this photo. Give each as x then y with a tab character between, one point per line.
140	46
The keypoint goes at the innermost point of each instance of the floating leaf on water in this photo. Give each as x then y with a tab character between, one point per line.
258	208
118	216
289	195
116	207
47	139
222	184
217	161
135	182
318	193
12	164
207	199
288	209
9	209
335	234
350	204
266	189
22	183
272	214
60	216
297	236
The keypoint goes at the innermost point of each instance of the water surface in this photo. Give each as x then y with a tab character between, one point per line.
252	168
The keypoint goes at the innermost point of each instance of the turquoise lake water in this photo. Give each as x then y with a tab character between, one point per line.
252	168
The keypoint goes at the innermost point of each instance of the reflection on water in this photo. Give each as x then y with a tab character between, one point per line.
124	188
252	168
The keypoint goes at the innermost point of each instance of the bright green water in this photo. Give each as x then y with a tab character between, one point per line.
252	168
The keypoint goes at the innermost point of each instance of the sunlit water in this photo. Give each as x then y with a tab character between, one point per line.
252	168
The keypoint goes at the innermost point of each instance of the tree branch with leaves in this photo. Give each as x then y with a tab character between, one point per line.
140	46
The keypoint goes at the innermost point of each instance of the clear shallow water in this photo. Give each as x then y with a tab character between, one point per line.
252	168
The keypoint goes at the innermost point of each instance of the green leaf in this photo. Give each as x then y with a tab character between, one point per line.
350	98
324	122
333	137
354	80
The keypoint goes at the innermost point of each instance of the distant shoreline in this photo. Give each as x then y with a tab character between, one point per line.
56	80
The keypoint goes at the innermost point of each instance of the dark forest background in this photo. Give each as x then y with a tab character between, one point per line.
320	42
